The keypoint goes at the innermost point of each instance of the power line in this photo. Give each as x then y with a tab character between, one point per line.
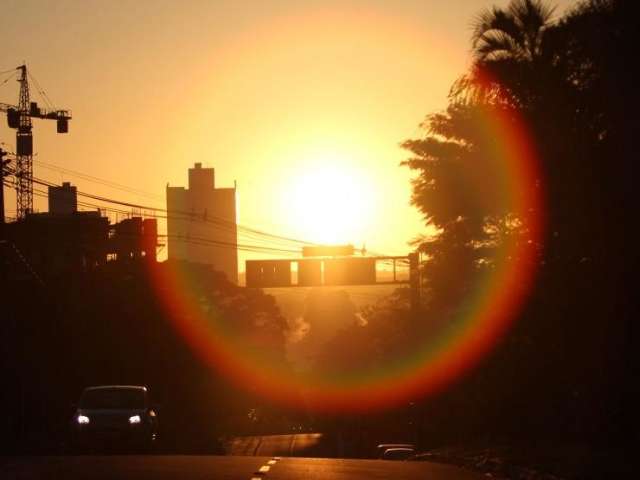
220	223
23	261
147	194
221	244
190	215
44	194
256	234
203	240
97	180
9	77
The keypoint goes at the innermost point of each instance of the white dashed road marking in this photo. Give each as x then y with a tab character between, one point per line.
262	471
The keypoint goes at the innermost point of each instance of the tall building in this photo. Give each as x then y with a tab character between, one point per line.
63	200
201	223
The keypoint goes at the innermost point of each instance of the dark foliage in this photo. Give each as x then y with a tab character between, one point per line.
565	370
564	373
111	327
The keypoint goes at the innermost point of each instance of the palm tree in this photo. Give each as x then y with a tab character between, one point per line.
514	51
515	33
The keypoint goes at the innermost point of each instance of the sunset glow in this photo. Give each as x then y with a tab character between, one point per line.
259	99
318	239
331	202
484	316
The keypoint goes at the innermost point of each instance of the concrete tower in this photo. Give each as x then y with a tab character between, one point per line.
202	223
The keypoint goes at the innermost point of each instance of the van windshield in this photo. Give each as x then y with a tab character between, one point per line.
113	398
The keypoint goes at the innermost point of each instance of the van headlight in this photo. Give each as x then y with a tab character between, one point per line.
134	419
82	419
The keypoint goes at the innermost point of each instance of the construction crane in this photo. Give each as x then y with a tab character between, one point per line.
19	117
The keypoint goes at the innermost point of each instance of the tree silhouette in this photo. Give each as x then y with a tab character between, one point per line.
515	33
513	51
570	81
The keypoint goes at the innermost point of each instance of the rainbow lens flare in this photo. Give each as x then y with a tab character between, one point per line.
441	359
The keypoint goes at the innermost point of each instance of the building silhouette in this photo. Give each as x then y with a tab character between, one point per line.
65	240
201	224
63	200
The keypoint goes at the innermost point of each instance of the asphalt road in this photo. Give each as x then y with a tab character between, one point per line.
169	467
301	444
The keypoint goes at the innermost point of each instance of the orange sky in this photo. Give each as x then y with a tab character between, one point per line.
266	92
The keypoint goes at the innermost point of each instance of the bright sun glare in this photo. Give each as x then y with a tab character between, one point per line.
331	203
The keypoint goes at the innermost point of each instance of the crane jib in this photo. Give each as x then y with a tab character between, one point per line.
19	118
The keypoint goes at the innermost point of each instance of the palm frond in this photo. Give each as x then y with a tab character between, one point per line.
531	14
496	44
497	20
516	31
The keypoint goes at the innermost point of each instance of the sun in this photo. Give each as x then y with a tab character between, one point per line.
331	203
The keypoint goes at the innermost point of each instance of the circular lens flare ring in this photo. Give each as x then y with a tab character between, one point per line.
494	306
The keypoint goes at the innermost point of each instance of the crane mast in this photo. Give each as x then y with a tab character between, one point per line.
24	149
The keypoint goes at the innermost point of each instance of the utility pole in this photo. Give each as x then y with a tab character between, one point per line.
3	162
414	280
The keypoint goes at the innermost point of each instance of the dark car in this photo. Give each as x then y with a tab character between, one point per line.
383	447
399	453
115	417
